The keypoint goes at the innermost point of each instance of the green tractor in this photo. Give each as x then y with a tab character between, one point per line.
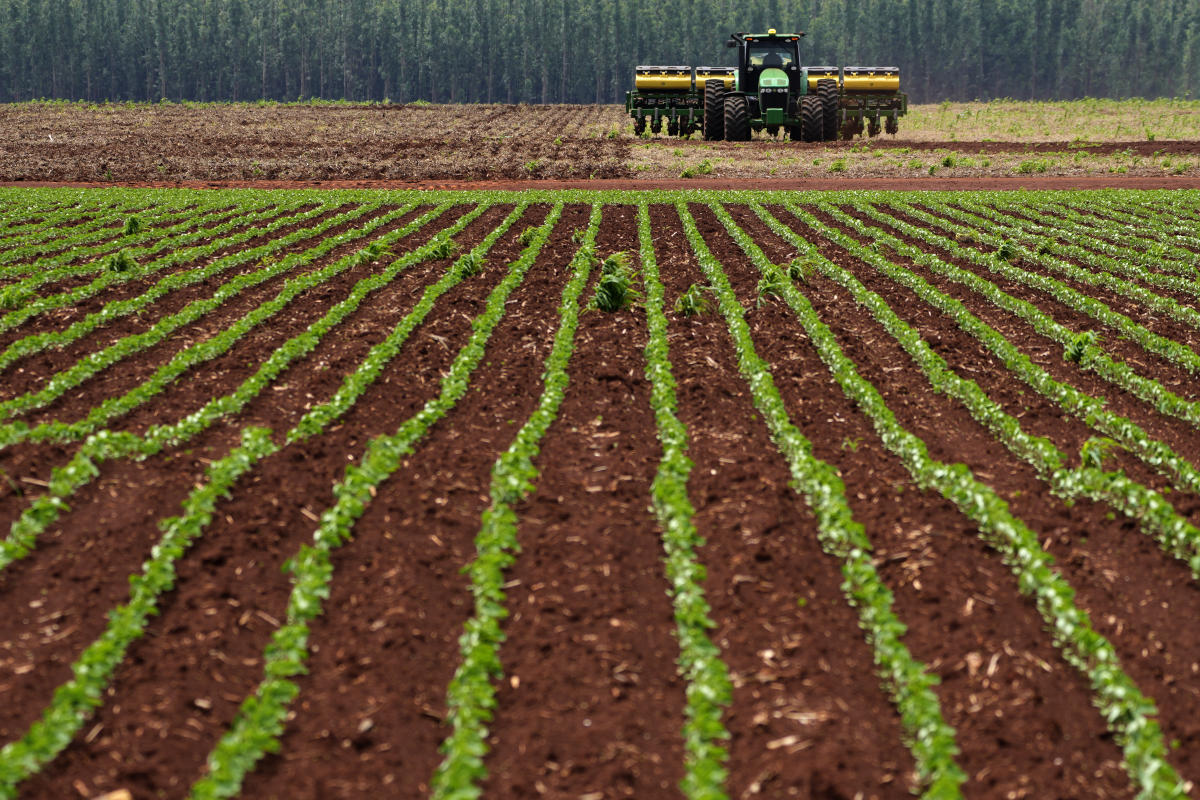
770	91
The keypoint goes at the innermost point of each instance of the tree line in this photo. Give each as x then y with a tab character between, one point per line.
578	51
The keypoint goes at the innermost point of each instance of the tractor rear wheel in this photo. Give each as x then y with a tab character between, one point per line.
812	117
737	119
714	110
828	92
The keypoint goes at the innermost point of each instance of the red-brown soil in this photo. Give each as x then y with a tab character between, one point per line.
385	146
591	703
933	184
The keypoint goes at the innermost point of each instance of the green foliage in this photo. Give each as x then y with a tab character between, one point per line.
709	689
470	696
411	52
120	262
14	296
614	289
1079	345
1096	450
1032	166
133	225
932	740
260	719
1129	713
695	301
705	167
801	269
1128	242
374	252
445	248
773	283
1155	515
469	266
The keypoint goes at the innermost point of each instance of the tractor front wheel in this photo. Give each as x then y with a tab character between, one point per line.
827	90
714	110
737	119
812	118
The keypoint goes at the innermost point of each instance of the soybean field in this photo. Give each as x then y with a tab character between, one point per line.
599	494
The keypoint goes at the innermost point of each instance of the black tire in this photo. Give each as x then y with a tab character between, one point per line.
714	110
812	118
796	133
828	92
737	119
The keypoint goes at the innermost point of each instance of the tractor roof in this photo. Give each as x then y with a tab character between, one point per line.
770	34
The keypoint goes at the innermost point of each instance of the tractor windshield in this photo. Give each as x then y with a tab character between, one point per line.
771	54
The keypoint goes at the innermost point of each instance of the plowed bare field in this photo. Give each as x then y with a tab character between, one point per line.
390	145
599	494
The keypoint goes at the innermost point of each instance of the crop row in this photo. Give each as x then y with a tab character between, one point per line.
1127	710
73	701
104	445
1077	347
864	233
131	263
71	243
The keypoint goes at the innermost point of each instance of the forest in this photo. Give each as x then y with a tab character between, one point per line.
577	51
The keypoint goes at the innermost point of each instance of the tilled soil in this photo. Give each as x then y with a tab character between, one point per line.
590	699
243	142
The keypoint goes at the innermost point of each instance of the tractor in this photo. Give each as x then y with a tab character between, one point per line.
768	90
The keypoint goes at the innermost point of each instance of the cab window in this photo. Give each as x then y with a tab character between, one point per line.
767	54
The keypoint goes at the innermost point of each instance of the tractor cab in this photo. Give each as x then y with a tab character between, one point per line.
758	53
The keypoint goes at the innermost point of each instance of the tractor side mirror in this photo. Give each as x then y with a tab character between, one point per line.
731	43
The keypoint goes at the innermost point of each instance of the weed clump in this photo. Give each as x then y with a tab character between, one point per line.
694	301
772	284
1079	345
469	265
13	297
614	290
133	224
801	269
120	262
444	249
